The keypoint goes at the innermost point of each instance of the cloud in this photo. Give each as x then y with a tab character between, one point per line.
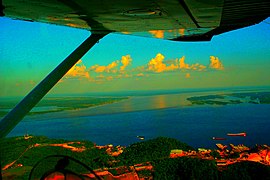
98	69
156	63
140	75
78	70
181	32
171	67
119	69
109	78
215	63
173	33
157	33
187	75
100	76
182	64
109	68
126	60
198	67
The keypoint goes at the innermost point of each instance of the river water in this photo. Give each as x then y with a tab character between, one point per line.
152	116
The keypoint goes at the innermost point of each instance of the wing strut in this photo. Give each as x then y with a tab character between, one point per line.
29	101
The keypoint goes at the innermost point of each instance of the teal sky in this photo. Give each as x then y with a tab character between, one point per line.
30	50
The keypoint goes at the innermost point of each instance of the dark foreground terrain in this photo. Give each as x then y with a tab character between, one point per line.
155	158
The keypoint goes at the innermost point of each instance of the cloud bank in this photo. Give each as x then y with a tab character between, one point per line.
122	68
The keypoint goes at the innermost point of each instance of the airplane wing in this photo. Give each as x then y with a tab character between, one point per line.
180	20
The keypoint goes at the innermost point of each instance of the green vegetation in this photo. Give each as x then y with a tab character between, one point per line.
234	98
151	150
215	154
209	99
57	104
246	170
185	168
155	152
145	173
264	97
15	149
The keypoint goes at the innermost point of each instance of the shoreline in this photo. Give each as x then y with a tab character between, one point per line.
142	103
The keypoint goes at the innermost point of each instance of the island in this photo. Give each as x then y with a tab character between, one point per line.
62	103
231	98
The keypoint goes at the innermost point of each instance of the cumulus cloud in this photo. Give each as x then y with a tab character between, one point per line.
187	75
198	67
181	32
109	78
126	60
119	69
109	68
157	33
140	75
79	70
170	33
215	63
182	64
156	63
171	67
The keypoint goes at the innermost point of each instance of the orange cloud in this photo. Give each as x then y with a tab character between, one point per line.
78	70
197	66
215	63
181	32
126	60
182	64
100	69
126	32
171	67
109	78
156	64
112	65
172	32
108	68
187	75
118	69
100	76
157	33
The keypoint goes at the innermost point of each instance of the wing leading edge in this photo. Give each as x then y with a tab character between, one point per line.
179	20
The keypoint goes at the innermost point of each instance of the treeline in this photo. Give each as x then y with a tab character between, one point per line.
193	168
185	168
12	148
246	170
151	150
61	103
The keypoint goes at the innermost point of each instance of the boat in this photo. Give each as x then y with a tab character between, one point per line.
219	138
140	137
237	134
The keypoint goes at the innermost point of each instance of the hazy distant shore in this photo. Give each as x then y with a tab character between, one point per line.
163	101
79	106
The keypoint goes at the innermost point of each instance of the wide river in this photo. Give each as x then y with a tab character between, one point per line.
152	116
